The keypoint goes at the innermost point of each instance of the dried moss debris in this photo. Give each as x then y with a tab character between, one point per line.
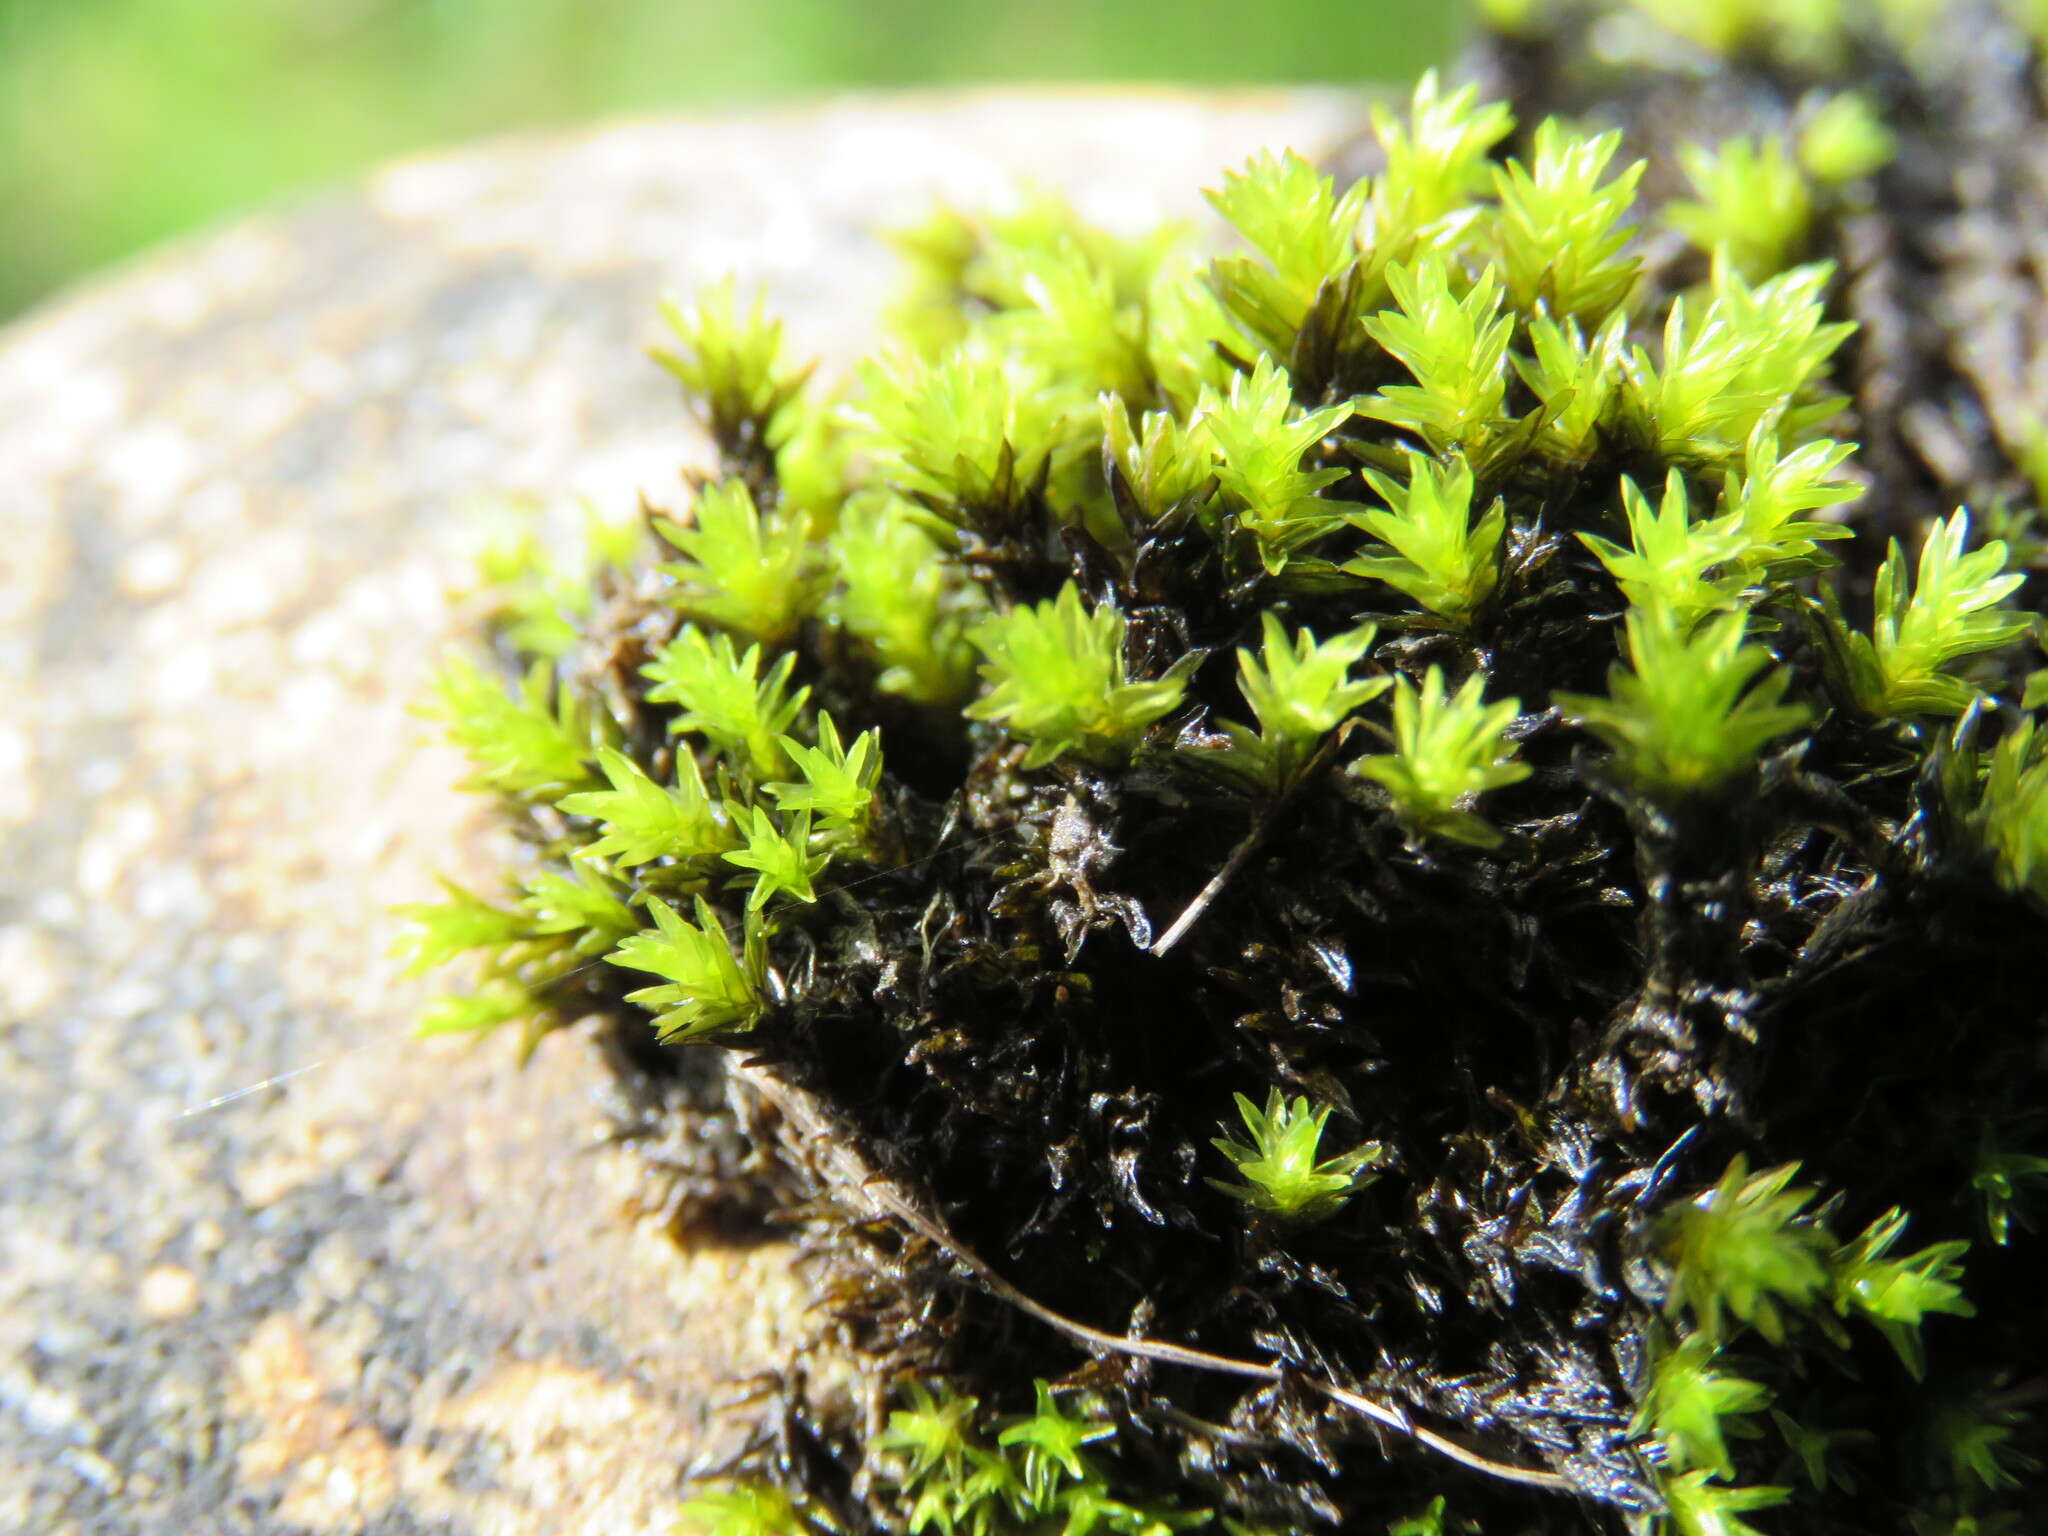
1306	876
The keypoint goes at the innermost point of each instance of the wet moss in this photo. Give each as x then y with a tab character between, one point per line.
1398	676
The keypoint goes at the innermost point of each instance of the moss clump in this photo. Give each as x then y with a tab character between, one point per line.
1406	676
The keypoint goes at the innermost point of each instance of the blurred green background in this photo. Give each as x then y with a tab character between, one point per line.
122	121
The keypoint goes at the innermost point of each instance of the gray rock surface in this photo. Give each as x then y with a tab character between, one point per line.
266	1263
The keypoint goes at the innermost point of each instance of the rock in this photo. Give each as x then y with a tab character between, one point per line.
267	1263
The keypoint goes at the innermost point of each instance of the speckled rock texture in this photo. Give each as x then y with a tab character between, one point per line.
397	1287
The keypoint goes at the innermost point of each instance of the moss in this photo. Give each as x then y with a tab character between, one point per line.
1684	931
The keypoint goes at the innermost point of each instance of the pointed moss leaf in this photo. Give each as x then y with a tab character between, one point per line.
742	571
900	597
1304	229
838	783
1561	233
1073	326
1691	1393
1577	383
1455	347
582	907
965	267
1299	691
779	856
534	743
1746	1250
1441	558
747	1509
497	1002
932	1436
1281	1172
644	821
1769	499
1898	1295
730	365
1163	465
441	930
538	597
813	468
1260	444
561	920
1924	626
1449	750
2007	1184
1189	335
2009	818
971	435
1700	1506
1972	1443
1751	204
1780	326
710	990
1691	404
1673	564
1745	359
1059	682
1437	162
1293	216
723	694
1693	707
1050	1443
